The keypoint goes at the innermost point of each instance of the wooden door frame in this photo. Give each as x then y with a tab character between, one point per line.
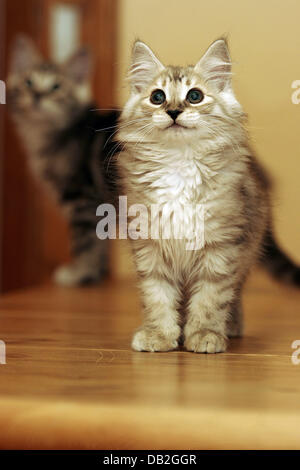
23	261
2	110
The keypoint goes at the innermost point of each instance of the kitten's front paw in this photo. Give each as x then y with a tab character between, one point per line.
205	341
71	275
150	340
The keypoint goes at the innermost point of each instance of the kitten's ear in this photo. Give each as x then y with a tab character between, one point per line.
24	54
79	65
215	65
144	66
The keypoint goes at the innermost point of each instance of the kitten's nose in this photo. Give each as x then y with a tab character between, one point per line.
37	96
173	113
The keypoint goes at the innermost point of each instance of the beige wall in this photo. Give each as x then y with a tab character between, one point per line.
264	38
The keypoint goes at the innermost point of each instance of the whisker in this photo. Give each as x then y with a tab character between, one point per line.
106	128
122	127
104	109
114	150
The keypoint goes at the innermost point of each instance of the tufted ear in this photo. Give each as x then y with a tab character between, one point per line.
24	54
79	66
144	66
215	65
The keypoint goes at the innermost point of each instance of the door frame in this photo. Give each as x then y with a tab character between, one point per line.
28	221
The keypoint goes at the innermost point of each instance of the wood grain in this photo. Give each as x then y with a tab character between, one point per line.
72	381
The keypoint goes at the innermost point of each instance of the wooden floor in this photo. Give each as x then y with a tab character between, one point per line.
72	381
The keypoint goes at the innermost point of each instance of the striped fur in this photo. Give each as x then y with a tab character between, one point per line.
204	159
51	105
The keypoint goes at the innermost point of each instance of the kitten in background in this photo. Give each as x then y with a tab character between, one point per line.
52	107
186	146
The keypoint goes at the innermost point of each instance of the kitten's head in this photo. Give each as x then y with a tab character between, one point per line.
42	91
179	103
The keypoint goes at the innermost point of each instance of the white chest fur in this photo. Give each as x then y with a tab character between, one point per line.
180	179
178	186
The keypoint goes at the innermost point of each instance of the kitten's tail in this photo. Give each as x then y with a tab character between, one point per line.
277	263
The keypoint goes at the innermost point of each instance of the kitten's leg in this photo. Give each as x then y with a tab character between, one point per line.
90	255
234	327
215	296
88	267
207	313
160	331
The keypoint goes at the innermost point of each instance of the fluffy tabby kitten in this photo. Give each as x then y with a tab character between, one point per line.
51	105
185	145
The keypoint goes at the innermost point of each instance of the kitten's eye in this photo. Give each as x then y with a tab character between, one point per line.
195	96
157	97
56	86
28	82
